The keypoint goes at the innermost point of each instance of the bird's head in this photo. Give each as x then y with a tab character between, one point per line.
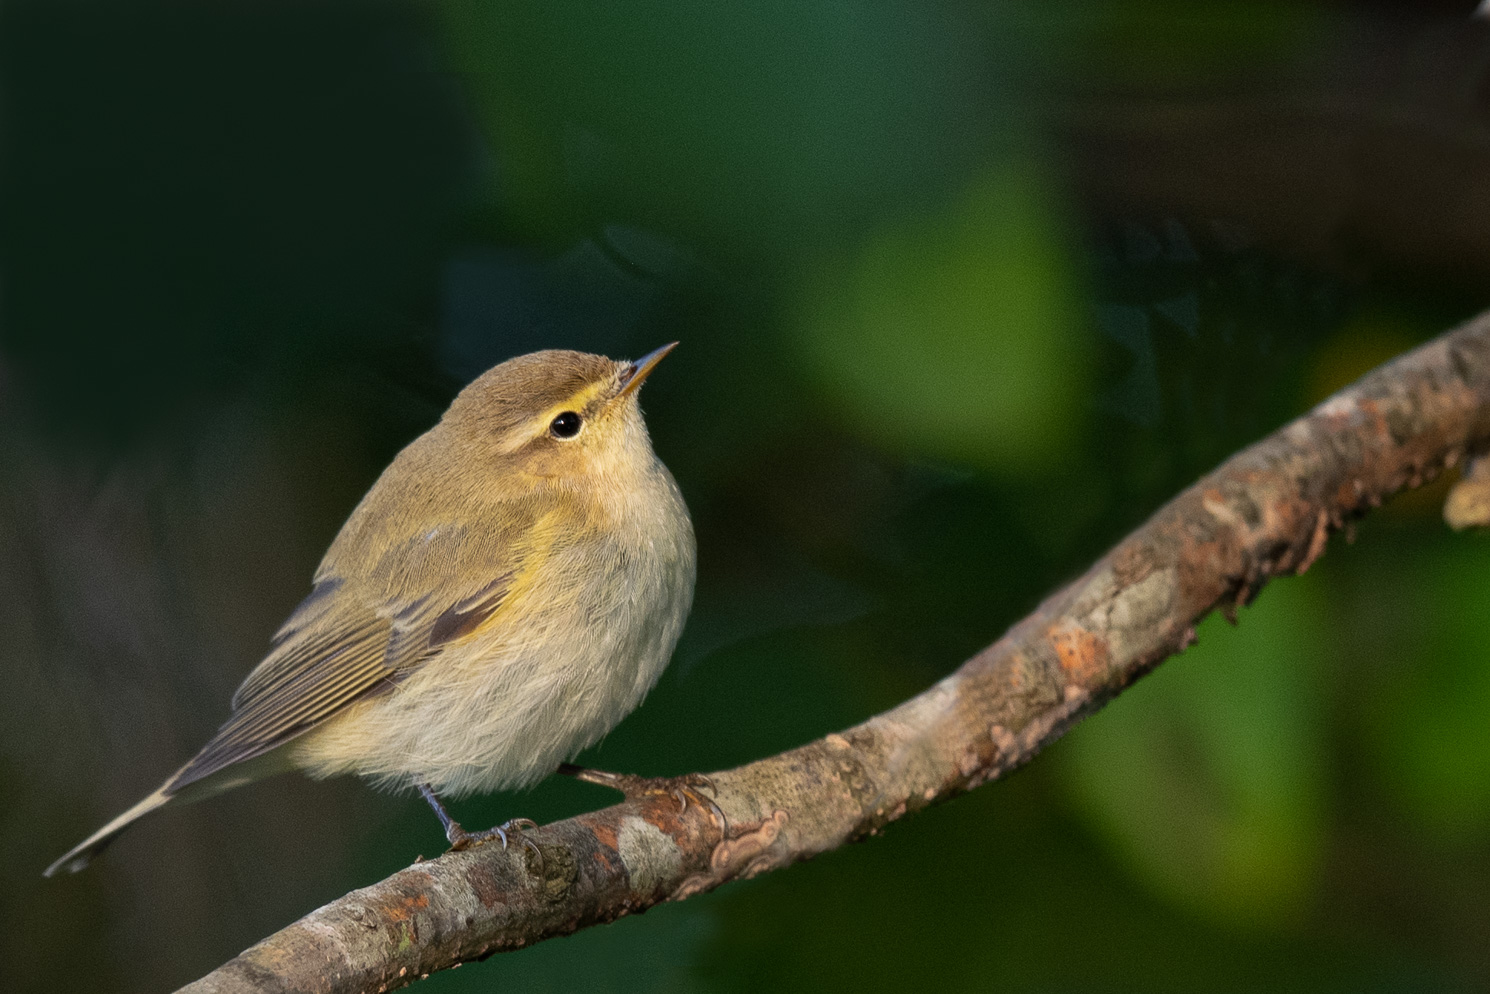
559	414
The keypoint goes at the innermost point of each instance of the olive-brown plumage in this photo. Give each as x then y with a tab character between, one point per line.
508	590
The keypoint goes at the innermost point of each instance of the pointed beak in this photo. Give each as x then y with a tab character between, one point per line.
642	368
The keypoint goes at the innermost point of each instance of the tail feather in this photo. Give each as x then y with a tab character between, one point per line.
79	855
173	792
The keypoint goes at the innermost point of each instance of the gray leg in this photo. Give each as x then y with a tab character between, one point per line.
460	839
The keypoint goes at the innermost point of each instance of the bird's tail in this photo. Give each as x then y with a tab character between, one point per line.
79	855
173	792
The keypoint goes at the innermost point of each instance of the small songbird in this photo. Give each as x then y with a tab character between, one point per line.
508	590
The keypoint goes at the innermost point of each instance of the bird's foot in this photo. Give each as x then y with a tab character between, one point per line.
460	839
688	787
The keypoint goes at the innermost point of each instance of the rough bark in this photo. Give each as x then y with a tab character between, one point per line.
1266	512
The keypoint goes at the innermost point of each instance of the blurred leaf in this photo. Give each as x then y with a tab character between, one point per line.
957	335
755	129
1208	776
1432	731
1175	42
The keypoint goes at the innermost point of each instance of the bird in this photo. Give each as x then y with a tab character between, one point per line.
509	589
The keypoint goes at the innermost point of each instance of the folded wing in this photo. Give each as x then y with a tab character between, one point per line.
353	637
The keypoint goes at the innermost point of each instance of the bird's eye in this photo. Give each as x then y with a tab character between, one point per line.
566	425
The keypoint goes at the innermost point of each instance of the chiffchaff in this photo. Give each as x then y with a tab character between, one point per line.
508	590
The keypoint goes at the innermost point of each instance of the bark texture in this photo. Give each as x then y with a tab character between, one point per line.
1265	512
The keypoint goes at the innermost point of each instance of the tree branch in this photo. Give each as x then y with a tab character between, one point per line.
1266	511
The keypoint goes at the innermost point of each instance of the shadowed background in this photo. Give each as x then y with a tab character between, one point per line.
964	293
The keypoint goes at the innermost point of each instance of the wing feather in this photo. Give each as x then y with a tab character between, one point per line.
351	638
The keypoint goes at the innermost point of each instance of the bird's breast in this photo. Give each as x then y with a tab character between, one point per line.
572	653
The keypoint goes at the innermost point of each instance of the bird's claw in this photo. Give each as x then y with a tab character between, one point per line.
461	840
689	787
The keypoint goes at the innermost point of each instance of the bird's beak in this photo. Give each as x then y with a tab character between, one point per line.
642	368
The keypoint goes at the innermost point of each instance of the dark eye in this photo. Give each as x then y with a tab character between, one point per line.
566	425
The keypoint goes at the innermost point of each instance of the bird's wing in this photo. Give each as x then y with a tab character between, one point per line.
357	636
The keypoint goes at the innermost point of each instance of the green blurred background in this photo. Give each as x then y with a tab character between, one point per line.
965	291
